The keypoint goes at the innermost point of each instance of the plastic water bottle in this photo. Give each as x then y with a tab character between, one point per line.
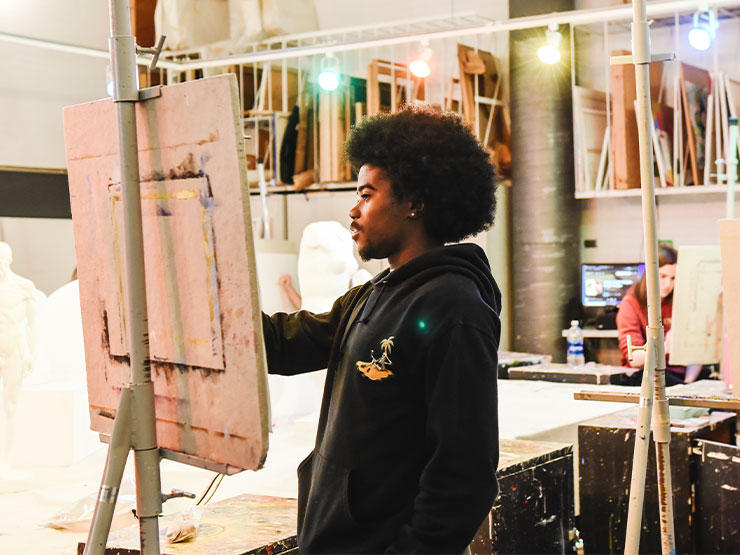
575	346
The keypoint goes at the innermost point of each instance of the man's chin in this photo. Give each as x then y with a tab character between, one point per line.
366	253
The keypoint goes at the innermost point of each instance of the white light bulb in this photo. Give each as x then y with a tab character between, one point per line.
328	80
420	68
699	38
109	88
548	54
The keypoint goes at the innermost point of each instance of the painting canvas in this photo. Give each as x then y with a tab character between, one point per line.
697	314
204	324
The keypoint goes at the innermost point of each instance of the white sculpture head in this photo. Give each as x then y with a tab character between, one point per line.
6	259
326	263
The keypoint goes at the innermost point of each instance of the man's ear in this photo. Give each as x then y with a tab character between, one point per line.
416	210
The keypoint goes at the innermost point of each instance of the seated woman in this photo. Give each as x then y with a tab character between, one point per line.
632	320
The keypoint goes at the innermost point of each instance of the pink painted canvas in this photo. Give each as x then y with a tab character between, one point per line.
204	322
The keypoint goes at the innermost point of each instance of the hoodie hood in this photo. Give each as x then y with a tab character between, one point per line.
466	259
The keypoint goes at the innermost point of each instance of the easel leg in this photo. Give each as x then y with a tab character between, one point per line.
115	463
639	461
662	435
146	461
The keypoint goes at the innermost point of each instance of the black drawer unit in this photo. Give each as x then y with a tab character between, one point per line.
534	510
606	448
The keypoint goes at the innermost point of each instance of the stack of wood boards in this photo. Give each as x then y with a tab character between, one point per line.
625	162
482	103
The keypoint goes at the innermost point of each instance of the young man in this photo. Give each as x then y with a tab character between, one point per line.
407	445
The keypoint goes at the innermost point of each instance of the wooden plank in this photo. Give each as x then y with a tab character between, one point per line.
720	403
693	81
325	137
590	106
373	94
625	157
711	144
555	372
204	321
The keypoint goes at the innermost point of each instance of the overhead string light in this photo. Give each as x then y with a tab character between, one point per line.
704	29
419	66
549	52
329	72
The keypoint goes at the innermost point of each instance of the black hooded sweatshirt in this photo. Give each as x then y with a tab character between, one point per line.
407	444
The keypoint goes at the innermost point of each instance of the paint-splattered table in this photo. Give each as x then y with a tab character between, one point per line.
592	373
241	525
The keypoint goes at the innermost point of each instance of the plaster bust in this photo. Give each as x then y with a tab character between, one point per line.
17	335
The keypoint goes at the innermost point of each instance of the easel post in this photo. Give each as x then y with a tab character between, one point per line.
135	424
653	379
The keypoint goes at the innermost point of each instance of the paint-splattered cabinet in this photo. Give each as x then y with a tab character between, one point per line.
606	447
534	511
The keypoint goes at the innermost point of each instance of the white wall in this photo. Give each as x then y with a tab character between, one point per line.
35	85
616	225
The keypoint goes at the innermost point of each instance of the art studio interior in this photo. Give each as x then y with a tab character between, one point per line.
615	241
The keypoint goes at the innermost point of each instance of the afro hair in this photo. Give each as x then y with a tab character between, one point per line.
433	158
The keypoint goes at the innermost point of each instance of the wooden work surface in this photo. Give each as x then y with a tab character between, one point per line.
556	372
711	394
241	525
516	455
508	359
204	326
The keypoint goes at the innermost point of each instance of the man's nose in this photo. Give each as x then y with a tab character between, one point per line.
354	213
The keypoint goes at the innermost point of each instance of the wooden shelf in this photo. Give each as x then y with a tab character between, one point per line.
313	188
659	191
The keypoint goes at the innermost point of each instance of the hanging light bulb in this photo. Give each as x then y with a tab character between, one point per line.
705	26
329	74
549	52
419	66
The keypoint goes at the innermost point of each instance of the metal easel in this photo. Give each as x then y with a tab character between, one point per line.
652	392
135	424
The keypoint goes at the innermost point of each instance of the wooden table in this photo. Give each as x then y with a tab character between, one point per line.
711	394
556	372
241	525
509	359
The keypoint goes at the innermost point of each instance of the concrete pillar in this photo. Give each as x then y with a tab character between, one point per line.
545	217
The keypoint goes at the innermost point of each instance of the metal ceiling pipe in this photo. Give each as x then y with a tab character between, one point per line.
545	217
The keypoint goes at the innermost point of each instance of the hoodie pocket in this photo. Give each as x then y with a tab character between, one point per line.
379	496
304	486
323	513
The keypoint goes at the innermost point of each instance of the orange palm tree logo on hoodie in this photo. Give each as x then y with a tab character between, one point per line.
377	369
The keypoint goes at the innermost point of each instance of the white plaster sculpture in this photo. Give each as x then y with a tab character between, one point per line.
17	338
327	268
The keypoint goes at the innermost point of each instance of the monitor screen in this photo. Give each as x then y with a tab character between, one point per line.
606	284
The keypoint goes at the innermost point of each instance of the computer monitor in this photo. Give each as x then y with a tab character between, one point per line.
604	285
